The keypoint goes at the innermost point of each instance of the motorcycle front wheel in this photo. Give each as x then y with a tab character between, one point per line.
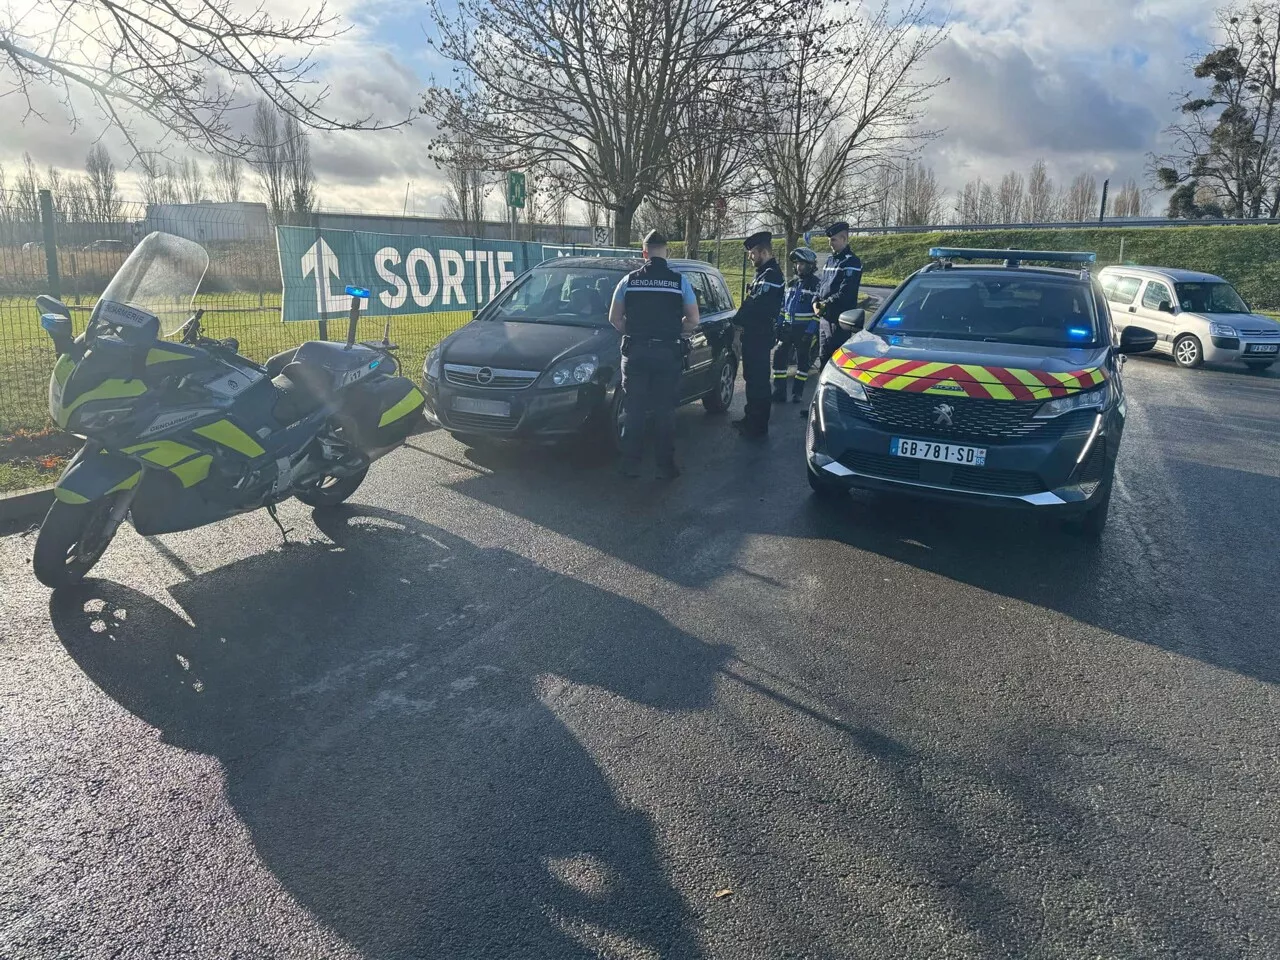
331	491
72	539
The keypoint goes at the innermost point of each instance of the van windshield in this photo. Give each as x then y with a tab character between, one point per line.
1000	308
1216	296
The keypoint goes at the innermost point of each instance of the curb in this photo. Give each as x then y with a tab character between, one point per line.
25	504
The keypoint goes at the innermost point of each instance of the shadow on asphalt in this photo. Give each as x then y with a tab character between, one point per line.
393	744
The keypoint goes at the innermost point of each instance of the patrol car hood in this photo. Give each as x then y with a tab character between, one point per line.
971	363
524	346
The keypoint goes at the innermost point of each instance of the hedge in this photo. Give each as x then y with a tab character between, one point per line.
1249	257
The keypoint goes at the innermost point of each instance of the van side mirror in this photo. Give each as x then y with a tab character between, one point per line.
1136	340
852	320
1165	307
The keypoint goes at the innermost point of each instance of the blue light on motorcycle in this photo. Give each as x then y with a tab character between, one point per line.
360	292
374	364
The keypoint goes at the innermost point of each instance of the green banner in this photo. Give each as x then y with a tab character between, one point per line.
403	274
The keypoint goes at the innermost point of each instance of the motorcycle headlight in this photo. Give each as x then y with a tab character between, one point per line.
572	372
833	376
1222	330
432	366
1094	399
101	419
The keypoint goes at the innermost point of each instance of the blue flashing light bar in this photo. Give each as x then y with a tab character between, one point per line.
1040	256
1079	333
360	292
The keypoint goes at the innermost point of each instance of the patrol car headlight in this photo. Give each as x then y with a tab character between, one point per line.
432	367
573	372
1094	399
833	376
1222	330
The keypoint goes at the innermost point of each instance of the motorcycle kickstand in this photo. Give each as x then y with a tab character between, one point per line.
271	511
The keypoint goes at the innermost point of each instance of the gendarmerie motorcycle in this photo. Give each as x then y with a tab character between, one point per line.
181	430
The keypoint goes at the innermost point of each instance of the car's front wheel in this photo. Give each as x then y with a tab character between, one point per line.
1091	524
1187	351
720	397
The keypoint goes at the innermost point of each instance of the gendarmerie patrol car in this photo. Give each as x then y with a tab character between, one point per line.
987	383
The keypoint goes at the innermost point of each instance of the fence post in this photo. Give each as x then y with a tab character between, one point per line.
50	243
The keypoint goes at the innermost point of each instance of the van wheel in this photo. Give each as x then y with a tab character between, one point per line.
1187	352
331	491
720	397
72	539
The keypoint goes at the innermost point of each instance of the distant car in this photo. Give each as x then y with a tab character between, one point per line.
31	246
106	245
1196	317
986	384
541	362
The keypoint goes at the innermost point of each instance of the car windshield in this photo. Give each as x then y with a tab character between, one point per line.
1215	296
577	296
1004	308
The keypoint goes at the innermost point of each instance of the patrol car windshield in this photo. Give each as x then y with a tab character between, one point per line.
1216	297
998	308
573	296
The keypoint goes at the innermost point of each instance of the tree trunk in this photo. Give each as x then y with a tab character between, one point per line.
692	233
622	217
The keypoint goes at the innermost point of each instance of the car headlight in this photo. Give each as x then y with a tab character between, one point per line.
572	372
1222	330
834	376
1094	399
432	366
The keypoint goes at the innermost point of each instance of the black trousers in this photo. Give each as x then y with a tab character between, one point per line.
756	344
650	392
831	337
794	343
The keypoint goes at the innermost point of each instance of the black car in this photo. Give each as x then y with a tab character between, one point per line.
996	384
541	362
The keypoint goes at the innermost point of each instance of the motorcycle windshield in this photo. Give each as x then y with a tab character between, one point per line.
161	277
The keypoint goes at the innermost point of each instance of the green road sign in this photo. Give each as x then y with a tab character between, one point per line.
516	189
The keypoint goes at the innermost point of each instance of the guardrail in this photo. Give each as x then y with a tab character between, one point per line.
1118	223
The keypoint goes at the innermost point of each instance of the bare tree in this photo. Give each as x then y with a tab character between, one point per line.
26	199
1128	201
967	202
226	179
1080	201
920	198
598	85
101	173
466	185
76	200
190	181
267	159
986	204
300	176
1010	198
845	98
158	59
1041	199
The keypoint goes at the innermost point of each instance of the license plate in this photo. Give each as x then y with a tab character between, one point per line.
941	452
490	408
1262	348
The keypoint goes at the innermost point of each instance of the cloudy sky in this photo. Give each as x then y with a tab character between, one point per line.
1086	85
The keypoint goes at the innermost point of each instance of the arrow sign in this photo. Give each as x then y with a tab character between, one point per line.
323	262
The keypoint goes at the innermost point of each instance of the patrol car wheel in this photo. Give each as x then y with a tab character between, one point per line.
1187	352
720	398
1092	523
823	488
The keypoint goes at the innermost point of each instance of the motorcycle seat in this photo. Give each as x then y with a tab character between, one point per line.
294	399
276	364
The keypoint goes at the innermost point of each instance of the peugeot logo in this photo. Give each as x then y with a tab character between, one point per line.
484	375
942	415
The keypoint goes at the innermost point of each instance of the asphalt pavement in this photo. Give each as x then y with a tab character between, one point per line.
509	705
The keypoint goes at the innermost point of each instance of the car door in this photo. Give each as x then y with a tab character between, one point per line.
1122	297
1147	313
697	371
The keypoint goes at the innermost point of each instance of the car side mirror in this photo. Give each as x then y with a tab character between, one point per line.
1165	307
1136	340
853	320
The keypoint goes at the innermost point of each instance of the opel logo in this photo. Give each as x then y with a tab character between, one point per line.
942	415
484	375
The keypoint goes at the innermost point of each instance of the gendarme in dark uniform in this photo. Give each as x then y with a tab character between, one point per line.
837	291
653	308
756	317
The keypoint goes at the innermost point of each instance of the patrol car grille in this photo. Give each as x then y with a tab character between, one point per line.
1012	483
972	418
487	378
